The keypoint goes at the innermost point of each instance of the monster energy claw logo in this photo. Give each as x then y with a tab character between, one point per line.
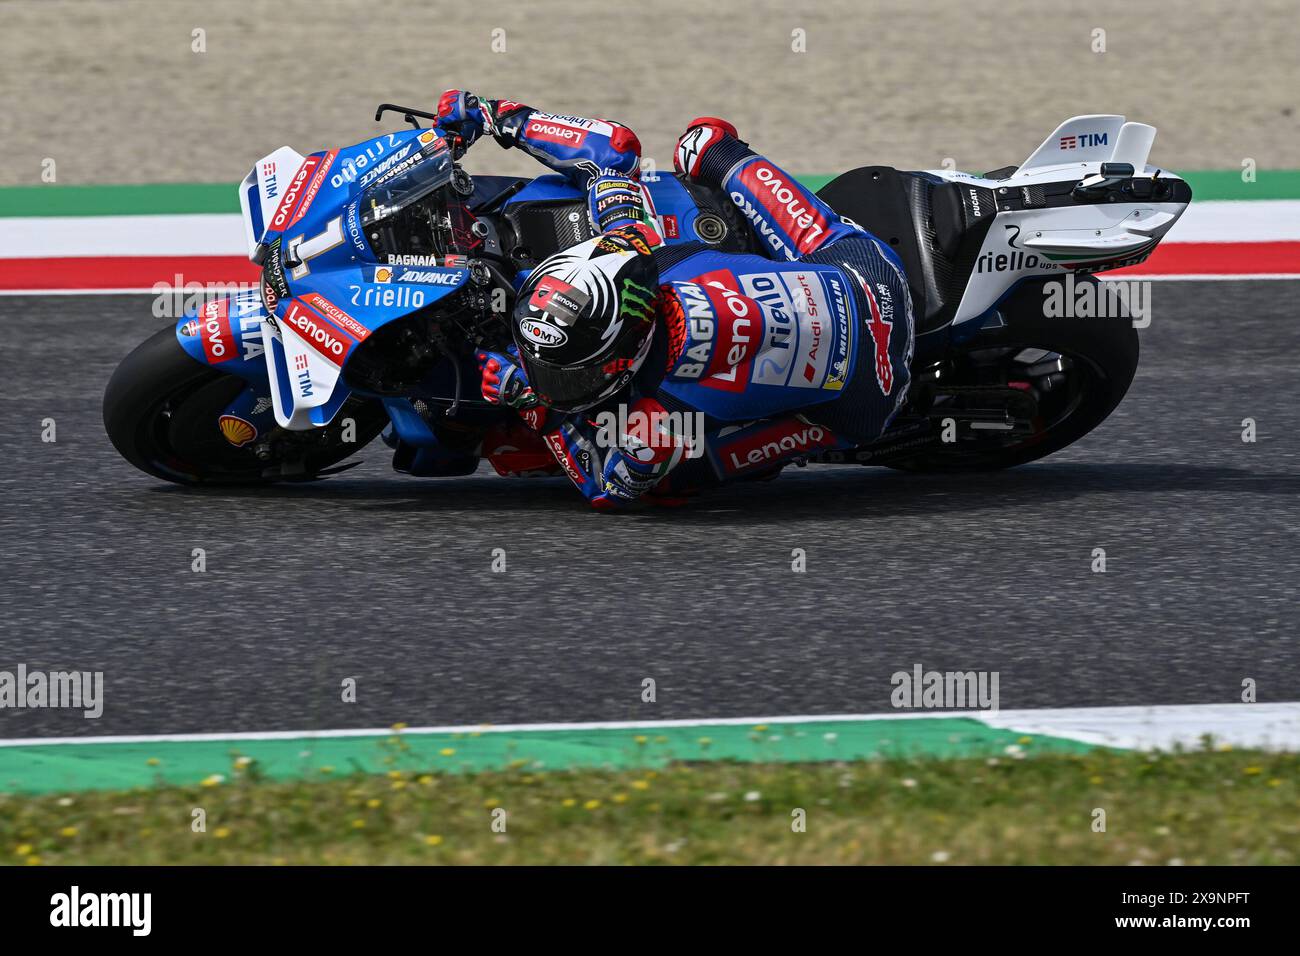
637	301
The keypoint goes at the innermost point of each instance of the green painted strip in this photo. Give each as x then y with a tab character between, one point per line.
145	200
1227	184
177	198
815	182
51	768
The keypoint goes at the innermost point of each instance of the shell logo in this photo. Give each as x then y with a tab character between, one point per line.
236	431
428	137
383	275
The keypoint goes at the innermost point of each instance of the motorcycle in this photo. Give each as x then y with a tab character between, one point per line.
385	266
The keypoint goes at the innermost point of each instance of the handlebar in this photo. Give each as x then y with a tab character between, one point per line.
455	141
408	113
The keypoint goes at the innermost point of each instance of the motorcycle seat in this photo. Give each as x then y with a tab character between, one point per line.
925	221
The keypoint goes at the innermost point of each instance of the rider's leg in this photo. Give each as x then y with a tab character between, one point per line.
787	218
878	384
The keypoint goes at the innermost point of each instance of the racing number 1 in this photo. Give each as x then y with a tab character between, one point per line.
303	250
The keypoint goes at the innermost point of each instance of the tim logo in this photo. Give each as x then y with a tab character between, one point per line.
304	375
1084	140
268	180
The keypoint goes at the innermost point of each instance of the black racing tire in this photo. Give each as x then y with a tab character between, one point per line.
1104	350
160	412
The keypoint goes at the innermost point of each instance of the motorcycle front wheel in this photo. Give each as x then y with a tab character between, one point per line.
161	411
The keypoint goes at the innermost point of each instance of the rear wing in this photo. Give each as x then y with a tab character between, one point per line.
262	189
1096	138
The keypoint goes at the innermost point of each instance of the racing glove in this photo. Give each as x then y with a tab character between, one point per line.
708	149
470	116
504	382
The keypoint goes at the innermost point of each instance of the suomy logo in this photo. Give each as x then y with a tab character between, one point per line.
542	334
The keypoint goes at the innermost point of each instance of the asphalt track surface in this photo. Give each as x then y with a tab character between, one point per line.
386	579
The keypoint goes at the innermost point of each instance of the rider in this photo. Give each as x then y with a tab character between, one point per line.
779	356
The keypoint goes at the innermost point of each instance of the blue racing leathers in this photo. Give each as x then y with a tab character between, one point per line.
759	360
600	156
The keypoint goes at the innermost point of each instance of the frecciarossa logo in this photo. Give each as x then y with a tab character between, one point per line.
328	341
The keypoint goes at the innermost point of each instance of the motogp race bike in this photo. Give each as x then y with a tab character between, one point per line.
386	265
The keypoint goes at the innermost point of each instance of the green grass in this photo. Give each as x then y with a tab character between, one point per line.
1212	807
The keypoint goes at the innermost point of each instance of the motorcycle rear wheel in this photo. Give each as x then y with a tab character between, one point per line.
1102	358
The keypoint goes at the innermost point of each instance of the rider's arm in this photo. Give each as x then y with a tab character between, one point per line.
786	217
613	461
599	156
578	148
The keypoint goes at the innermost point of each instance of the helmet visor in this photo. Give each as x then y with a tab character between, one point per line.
568	389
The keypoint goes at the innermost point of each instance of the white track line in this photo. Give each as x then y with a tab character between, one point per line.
1274	726
1228	220
1206	277
1267	726
197	234
1293	276
222	234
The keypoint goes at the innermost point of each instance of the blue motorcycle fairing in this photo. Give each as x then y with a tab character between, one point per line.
372	294
673	205
328	179
226	333
546	188
338	294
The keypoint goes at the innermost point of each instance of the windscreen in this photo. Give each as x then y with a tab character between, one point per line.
425	169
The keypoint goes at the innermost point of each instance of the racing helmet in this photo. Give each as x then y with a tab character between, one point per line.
584	320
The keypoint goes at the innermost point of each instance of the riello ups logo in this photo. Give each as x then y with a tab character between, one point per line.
1014	259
